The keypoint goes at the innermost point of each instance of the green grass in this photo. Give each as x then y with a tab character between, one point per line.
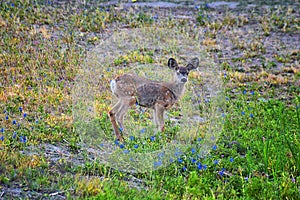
43	47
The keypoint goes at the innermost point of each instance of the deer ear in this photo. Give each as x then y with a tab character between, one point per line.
172	63
193	64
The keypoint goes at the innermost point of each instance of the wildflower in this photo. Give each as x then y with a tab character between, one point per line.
246	178
20	109
152	138
6	117
126	151
14	134
184	168
122	146
25	115
216	162
199	166
101	145
14	122
199	139
214	147
231	159
131	138
193	150
251	115
193	160
244	92
223	115
23	139
12	4
252	92
227	98
121	129
117	142
143	130
179	160
157	164
221	173
171	160
2	130
222	156
243	112
136	146
204	167
2	137
131	159
36	121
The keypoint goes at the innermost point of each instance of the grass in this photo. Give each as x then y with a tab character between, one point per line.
43	50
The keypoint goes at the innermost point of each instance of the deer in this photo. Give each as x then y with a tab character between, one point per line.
131	89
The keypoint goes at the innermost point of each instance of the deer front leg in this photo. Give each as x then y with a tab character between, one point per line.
159	117
112	116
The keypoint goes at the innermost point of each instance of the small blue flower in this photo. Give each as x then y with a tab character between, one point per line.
171	160
204	167
12	4
14	122
14	135
199	139
101	145
221	173
216	162
223	115
122	146
184	168
252	92
157	164
193	150
227	98
136	146
131	138
2	130
117	142
246	178
143	130
126	151
152	138
20	109
121	129
244	92
25	115
243	112
131	159
6	117
179	160
2	137
199	166
231	159
251	115
36	121
23	139
214	147
193	160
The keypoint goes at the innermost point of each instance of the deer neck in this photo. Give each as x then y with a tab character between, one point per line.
177	88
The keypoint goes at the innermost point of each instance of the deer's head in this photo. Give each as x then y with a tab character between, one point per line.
181	73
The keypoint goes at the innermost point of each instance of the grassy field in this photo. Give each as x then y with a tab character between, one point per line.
45	48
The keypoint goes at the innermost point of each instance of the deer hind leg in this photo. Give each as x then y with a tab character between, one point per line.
126	103
113	114
159	117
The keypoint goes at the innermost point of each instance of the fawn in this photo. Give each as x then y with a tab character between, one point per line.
131	89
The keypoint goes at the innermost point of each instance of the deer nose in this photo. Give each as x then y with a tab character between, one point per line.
184	80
